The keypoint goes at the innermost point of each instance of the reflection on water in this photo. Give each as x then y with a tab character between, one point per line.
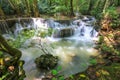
74	55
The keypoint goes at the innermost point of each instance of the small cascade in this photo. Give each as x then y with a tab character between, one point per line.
73	28
18	29
78	28
36	23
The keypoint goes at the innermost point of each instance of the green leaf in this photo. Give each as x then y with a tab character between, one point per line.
61	78
71	76
1	54
4	76
54	78
54	72
93	61
82	75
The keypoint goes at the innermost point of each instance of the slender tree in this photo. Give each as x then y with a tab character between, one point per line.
90	6
35	8
71	8
107	3
118	3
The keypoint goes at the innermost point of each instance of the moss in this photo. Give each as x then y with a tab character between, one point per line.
46	61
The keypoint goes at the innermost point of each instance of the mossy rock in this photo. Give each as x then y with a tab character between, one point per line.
46	61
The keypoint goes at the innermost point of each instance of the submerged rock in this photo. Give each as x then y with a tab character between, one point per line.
46	61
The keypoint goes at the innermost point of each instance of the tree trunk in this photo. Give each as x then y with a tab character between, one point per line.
118	2
12	51
90	6
50	2
103	3
71	8
35	9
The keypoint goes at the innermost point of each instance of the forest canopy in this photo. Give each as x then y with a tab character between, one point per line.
51	7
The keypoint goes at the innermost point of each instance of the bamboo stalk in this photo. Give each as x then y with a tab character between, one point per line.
107	3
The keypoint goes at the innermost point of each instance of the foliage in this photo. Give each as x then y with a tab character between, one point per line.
97	13
44	33
30	7
111	11
50	31
101	39
112	14
106	49
1	53
21	38
93	61
55	73
115	23
4	76
7	8
83	7
110	72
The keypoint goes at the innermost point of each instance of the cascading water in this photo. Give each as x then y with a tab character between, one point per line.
72	43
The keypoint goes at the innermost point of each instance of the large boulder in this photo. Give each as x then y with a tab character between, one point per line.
46	61
65	32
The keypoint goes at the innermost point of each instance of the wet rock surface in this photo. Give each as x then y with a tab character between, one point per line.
65	32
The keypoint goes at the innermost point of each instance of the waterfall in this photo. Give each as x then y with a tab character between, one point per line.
76	28
71	42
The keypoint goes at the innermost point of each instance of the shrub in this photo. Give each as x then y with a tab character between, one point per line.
101	39
106	49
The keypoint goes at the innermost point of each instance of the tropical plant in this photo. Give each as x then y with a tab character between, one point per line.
106	49
93	61
21	38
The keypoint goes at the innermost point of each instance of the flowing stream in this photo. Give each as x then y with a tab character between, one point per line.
73	43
